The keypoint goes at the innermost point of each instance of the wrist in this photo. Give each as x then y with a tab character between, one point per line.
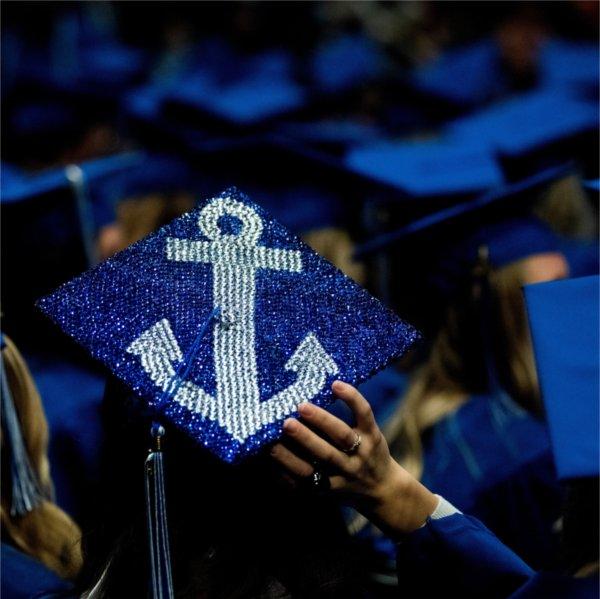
402	504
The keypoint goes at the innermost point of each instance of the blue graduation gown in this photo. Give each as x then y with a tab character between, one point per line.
25	578
548	585
457	556
493	460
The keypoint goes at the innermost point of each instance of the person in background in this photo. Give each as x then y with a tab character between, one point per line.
441	551
139	216
470	425
41	545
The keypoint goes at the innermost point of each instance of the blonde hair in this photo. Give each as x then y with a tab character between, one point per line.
335	245
46	533
567	210
455	369
143	215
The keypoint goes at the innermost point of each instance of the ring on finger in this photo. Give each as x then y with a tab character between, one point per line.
355	445
318	481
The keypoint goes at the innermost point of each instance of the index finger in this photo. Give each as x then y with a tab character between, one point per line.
357	403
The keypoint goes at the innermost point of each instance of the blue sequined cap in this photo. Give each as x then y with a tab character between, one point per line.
223	322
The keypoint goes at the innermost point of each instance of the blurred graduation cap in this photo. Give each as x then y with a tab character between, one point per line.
473	75
563	317
546	121
95	72
332	133
86	179
503	202
346	61
572	63
48	226
266	89
592	186
37	118
446	245
429	168
243	103
467	76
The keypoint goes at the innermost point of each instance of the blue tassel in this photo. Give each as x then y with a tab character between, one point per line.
26	494
156	501
156	512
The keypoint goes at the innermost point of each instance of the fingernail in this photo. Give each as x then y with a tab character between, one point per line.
306	409
339	385
290	425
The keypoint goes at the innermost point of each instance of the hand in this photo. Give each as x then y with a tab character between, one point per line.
367	478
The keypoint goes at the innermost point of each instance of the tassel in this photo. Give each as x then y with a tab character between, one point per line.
156	501
76	178
156	512
26	494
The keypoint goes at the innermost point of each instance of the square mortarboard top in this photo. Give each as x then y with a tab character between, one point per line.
467	76
264	90
87	179
247	102
429	168
528	122
570	63
346	61
223	322
500	218
563	317
104	181
471	75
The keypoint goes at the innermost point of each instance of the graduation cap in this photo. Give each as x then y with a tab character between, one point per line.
448	245
572	63
332	132
247	102
223	322
563	318
466	76
592	186
87	179
485	217
264	90
430	168
529	122
346	61
48	225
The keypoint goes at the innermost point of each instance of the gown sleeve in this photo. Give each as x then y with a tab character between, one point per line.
457	556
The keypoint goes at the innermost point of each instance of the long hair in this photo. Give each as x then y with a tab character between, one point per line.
235	531
456	367
45	533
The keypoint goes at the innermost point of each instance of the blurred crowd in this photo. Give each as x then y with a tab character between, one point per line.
441	154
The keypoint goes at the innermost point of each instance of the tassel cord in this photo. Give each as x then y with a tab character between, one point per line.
26	493
156	500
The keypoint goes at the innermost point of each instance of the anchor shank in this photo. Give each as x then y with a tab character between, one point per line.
234	346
